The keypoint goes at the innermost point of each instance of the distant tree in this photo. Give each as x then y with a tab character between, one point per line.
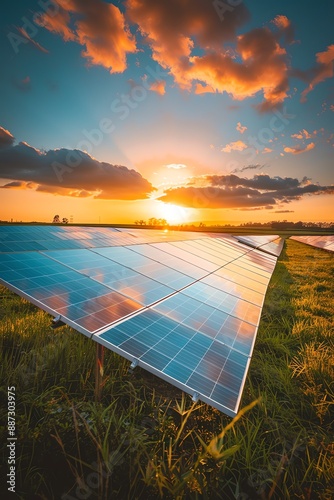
65	220
140	222
152	221
56	220
201	224
157	222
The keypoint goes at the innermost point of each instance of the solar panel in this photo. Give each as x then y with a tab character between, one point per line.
325	242
189	359
185	306
272	244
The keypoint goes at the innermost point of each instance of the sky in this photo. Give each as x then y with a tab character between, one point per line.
187	110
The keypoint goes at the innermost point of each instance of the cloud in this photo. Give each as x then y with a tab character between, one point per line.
285	27
298	149
281	22
263	68
321	71
17	185
241	128
284	211
176	166
173	28
267	150
24	85
159	87
98	26
67	172
203	89
259	181
234	146
232	191
241	65
6	138
303	134
25	35
267	207
209	197
248	167
188	39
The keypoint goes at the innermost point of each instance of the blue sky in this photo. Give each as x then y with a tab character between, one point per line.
119	83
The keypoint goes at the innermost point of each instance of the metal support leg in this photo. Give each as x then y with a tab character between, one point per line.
99	371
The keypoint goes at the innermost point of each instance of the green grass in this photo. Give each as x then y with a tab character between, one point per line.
147	440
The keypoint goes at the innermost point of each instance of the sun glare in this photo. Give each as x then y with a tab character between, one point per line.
173	213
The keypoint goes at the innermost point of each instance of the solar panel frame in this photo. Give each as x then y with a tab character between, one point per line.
271	244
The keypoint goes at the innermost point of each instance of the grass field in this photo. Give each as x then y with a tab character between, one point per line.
145	439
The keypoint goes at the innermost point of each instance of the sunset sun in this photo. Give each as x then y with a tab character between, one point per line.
174	214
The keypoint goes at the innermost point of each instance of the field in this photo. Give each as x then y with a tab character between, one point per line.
145	439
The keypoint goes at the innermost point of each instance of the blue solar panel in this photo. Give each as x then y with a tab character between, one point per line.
189	359
185	306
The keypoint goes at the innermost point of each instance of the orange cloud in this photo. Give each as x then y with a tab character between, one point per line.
281	21
285	27
240	128
203	89
173	28
303	134
159	87
59	23
6	138
298	150
56	190
323	70
241	65
250	64
264	67
267	150
98	26
234	146
232	191
19	185
30	40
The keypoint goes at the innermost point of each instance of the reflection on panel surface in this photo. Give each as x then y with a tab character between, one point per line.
272	244
188	359
185	305
325	242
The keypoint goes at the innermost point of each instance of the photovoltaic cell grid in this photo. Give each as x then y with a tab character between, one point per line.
271	244
183	305
325	242
26	238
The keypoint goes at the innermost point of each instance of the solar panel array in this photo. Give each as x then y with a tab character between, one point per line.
185	306
325	242
271	244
